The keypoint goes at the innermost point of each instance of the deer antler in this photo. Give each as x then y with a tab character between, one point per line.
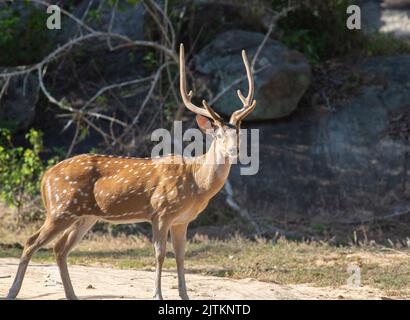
248	103
207	111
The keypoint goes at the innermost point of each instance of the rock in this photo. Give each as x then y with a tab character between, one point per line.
278	87
371	13
18	104
128	19
325	167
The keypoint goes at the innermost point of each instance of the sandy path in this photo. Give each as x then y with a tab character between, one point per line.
43	282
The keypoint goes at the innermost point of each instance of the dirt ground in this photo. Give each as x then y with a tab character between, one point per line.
95	282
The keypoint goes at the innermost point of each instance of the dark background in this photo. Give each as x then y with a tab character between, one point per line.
333	104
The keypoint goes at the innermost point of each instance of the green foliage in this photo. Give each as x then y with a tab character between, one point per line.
319	228
385	44
95	150
169	109
318	28
95	15
102	102
132	56
20	168
150	60
24	37
10	125
133	2
84	133
304	41
59	152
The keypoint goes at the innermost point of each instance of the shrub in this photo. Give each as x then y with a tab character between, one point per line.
24	38
385	44
318	28
21	169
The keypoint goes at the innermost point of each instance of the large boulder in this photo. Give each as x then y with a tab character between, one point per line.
278	86
322	167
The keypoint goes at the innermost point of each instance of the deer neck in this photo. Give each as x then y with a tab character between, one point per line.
211	170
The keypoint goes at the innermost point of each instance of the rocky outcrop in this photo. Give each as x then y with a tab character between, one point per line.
348	165
283	79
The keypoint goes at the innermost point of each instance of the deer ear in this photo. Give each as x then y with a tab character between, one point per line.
204	124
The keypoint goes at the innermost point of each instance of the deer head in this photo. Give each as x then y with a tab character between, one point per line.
226	134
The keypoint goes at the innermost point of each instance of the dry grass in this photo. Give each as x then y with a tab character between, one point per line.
282	261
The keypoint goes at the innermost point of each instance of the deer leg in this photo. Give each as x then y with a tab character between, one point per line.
63	246
178	235
159	235
44	235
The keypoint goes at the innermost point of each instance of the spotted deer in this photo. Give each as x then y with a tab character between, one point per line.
169	192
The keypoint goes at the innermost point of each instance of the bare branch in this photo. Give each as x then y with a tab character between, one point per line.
74	140
89	111
272	24
113	86
112	18
4	88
